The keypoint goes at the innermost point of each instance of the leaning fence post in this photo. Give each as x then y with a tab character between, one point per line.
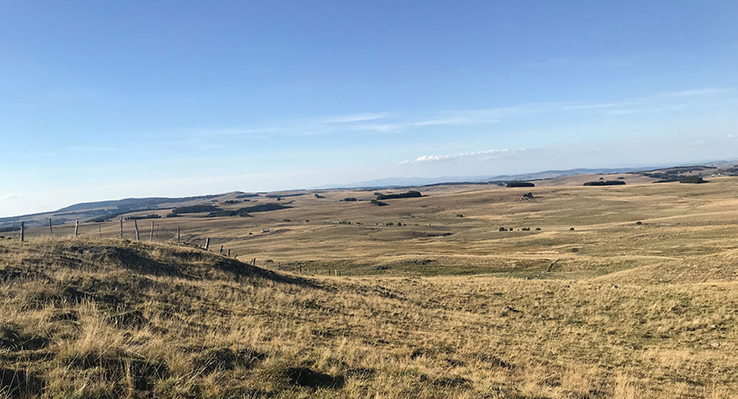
135	224
76	228
23	232
221	250
207	243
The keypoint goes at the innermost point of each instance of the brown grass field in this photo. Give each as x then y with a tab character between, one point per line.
444	306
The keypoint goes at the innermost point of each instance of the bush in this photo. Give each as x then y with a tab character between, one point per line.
693	180
152	216
605	183
262	208
378	203
195	209
409	194
520	184
221	214
350	199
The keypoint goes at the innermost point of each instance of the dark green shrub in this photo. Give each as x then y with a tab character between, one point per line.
693	180
378	203
222	214
195	209
520	184
262	208
605	183
152	216
409	194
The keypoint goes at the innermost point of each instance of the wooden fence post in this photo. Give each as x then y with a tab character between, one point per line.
121	227
23	232
207	243
151	237
221	250
51	230
229	253
99	229
178	237
76	228
135	224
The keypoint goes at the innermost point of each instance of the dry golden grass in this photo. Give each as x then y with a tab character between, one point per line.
638	311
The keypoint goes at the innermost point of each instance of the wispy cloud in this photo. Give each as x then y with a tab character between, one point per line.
581	62
9	197
478	155
352	118
399	122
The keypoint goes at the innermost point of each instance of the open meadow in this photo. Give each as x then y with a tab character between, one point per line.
470	291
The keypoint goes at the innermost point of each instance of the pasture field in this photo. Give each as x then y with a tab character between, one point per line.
592	305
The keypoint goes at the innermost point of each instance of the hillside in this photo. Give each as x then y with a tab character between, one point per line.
110	318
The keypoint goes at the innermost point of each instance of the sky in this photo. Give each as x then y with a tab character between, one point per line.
109	100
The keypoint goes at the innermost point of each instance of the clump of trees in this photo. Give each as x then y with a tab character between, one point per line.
152	216
195	209
520	184
222	214
692	179
263	208
349	199
409	194
605	183
379	203
246	211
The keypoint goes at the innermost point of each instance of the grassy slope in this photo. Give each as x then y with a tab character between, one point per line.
109	318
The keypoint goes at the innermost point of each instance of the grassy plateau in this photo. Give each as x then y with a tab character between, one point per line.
627	291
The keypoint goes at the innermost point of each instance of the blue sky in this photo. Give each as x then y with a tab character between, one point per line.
104	100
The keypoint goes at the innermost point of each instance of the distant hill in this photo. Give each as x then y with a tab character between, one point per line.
393	182
90	210
112	208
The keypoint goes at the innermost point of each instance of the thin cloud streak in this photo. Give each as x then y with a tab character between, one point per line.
478	155
396	122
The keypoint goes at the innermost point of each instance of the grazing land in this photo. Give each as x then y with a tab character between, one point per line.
624	291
